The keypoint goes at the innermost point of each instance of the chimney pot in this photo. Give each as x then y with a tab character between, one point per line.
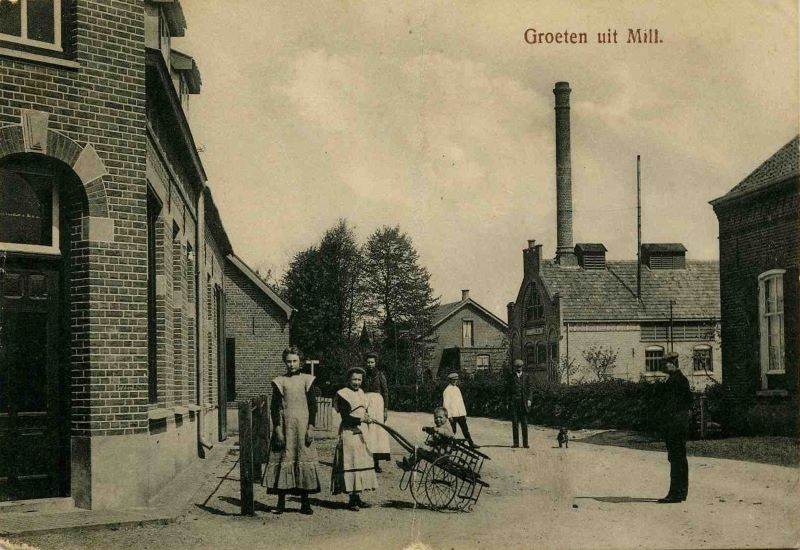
464	294
531	243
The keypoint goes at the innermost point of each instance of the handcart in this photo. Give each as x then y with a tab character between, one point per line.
446	476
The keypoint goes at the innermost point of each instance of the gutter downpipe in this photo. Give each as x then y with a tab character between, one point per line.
199	270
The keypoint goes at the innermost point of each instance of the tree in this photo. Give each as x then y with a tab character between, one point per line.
567	370
601	360
397	296
322	283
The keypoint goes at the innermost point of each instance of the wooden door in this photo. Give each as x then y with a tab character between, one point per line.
33	419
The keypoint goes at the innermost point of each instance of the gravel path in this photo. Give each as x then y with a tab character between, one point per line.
587	496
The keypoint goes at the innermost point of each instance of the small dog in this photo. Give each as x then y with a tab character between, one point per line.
563	438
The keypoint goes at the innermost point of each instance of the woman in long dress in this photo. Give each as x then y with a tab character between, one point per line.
377	391
292	465
353	468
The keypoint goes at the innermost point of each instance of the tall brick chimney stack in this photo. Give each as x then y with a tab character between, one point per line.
565	253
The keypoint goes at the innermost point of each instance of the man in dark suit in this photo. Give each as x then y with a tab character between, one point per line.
677	401
518	392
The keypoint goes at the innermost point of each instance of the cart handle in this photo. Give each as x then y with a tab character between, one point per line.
404	443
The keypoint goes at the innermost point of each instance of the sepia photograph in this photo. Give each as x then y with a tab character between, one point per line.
411	274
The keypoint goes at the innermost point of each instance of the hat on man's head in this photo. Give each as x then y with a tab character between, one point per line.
452	376
671	357
519	363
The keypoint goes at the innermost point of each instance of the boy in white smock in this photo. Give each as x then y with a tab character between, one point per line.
453	402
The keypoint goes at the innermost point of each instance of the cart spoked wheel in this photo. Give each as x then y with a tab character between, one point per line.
441	484
416	479
466	496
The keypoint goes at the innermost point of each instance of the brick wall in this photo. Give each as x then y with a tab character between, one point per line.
103	104
260	330
757	234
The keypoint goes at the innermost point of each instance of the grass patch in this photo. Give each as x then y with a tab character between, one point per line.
781	451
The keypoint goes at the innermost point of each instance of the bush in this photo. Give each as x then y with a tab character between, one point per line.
604	404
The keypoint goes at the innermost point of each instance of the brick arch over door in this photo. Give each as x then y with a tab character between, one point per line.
33	136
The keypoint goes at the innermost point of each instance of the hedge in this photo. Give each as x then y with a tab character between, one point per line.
610	404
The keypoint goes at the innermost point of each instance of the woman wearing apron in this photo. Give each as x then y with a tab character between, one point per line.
292	464
377	392
353	469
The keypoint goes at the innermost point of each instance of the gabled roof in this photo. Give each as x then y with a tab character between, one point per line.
445	311
610	294
261	285
777	168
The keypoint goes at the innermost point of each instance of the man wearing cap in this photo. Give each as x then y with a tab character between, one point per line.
676	401
518	392
453	401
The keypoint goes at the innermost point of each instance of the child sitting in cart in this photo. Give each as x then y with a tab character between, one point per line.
438	435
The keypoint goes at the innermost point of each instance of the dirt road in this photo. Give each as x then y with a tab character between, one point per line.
586	496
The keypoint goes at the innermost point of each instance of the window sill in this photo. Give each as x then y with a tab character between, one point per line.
180	411
194	408
37	58
159	414
772	393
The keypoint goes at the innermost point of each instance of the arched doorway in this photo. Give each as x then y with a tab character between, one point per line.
41	204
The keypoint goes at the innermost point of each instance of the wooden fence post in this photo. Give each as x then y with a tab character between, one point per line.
246	458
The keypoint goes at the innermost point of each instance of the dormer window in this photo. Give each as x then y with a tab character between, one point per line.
591	255
34	23
664	255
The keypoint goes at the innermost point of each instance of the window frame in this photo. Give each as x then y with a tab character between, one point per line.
649	360
695	356
483	368
534	306
764	279
464	324
54	249
154	208
56	45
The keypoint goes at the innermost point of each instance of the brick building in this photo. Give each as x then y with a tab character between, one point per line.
112	251
256	332
579	301
759	249
467	338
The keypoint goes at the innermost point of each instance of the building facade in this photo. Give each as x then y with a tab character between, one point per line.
579	316
112	254
759	248
467	338
256	332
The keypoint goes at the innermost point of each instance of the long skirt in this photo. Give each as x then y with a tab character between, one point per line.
292	469
376	437
353	468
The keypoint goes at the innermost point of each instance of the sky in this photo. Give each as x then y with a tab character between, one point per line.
438	117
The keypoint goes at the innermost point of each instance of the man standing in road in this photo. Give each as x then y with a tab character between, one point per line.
518	392
677	403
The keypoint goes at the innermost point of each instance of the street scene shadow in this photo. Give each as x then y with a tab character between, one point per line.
316	502
620	500
403	505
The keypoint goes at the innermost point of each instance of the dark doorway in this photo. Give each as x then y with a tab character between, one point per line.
230	369
33	385
219	299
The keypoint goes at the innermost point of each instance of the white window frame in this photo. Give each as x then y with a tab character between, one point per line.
467	336
703	348
764	279
23	38
484	367
651	349
54	249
